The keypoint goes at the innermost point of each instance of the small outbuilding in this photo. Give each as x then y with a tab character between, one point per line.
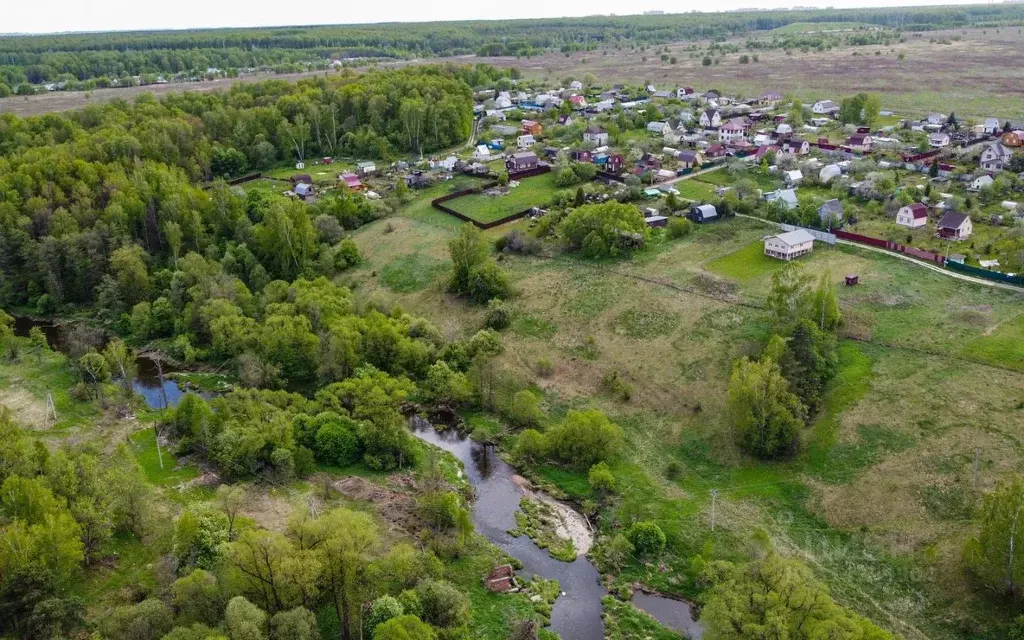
703	213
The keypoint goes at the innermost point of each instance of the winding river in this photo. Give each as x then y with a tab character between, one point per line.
577	614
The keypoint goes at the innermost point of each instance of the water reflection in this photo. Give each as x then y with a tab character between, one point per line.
151	381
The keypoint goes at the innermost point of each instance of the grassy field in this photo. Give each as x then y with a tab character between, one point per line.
876	503
531	192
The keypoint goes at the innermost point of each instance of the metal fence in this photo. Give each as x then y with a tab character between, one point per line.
821	236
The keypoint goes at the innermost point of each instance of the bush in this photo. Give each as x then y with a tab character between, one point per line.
296	624
678	228
601	478
498	315
443	604
647	537
197	597
383	609
524	409
148	620
404	628
613	383
337	442
584	438
544	367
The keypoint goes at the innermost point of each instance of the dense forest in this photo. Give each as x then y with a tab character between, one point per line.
125	179
27	60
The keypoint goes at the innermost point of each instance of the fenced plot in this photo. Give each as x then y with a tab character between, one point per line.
493	204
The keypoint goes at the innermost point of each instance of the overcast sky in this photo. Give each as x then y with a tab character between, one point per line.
48	16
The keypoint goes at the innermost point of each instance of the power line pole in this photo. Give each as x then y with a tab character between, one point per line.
714	504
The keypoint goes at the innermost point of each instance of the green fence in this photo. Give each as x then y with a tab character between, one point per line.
986	273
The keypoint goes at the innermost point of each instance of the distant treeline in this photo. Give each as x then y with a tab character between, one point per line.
52	58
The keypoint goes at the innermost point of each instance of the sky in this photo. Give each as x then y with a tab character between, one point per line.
51	16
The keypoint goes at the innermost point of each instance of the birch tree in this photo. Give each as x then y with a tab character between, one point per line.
996	554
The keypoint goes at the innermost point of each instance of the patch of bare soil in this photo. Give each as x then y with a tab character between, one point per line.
28	410
572	525
395	503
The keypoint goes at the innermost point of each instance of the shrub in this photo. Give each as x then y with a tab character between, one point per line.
678	228
337	442
613	383
673	470
383	609
544	367
524	409
296	624
601	478
148	620
583	439
443	604
647	537
498	315
404	628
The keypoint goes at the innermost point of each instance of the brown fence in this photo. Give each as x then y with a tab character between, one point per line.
529	173
241	180
920	254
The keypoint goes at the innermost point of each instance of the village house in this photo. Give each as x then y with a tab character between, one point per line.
502	102
955	226
995	157
991	125
859	142
980	183
703	213
686	93
482	153
366	168
689	159
797	146
649	161
716	151
935	119
576	85
828	173
938	140
831	214
611	163
304	190
770	98
825	108
710	119
732	130
786	197
520	162
531	127
580	155
659	128
793	178
596	136
912	216
783	129
789	245
663	95
351	181
525	142
578	102
1013	138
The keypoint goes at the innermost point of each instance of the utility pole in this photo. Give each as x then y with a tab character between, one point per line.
977	453
714	504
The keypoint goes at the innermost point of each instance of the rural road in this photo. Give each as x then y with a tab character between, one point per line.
891	254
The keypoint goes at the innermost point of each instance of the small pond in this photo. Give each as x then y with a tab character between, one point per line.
158	391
